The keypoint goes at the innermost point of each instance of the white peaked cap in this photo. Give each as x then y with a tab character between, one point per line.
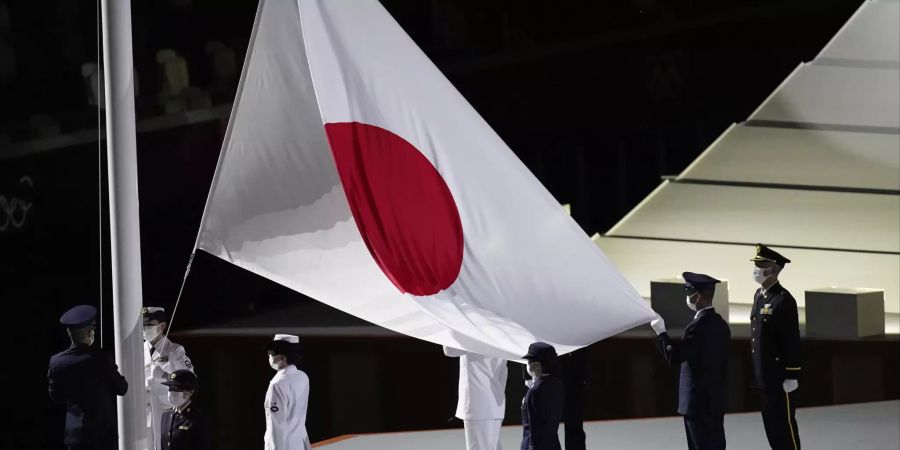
287	338
153	309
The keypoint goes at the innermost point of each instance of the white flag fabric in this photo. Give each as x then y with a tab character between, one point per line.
355	173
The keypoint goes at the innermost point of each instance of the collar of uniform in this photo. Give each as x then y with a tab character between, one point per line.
185	408
290	368
771	289
160	347
696	316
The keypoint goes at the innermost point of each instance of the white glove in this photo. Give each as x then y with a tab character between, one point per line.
159	373
658	325
528	383
790	385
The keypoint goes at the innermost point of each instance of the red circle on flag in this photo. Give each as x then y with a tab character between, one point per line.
402	207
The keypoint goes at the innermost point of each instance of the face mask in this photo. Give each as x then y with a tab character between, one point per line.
176	399
152	332
534	369
759	275
276	362
691	305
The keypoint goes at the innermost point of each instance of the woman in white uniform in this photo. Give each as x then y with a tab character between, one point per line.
161	358
482	398
287	397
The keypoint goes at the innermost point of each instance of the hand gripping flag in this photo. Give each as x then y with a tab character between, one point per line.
353	172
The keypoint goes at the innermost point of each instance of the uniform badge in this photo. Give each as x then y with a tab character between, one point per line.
766	310
182	427
172	376
668	348
187	363
163	359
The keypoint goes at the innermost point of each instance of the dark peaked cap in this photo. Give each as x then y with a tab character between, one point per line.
541	352
699	281
78	317
764	253
181	380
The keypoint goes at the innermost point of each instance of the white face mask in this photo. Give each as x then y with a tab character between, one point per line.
276	362
759	275
534	369
691	305
152	332
177	399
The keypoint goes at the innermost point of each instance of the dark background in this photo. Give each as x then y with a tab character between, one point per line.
598	98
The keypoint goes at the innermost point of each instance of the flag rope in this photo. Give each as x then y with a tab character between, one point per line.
180	291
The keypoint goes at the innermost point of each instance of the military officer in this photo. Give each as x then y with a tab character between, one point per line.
287	397
482	398
183	427
703	356
162	357
542	407
87	381
775	349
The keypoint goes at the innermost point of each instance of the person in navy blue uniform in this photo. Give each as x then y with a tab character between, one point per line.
572	370
542	407
87	381
775	349
183	427
702	355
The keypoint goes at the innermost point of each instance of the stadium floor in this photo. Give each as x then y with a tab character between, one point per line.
860	426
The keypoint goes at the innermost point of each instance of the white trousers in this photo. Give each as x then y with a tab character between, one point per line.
483	434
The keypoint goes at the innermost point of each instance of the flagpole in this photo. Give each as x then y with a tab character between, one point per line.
125	236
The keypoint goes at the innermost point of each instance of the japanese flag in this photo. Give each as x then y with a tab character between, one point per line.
354	172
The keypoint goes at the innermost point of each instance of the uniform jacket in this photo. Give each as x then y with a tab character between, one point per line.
170	357
87	381
482	386
542	411
286	403
703	356
184	430
774	338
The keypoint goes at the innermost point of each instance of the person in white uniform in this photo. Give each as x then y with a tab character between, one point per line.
162	357
482	398
287	398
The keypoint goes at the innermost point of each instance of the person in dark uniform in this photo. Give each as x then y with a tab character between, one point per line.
572	370
775	349
703	356
542	407
87	381
183	427
574	376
